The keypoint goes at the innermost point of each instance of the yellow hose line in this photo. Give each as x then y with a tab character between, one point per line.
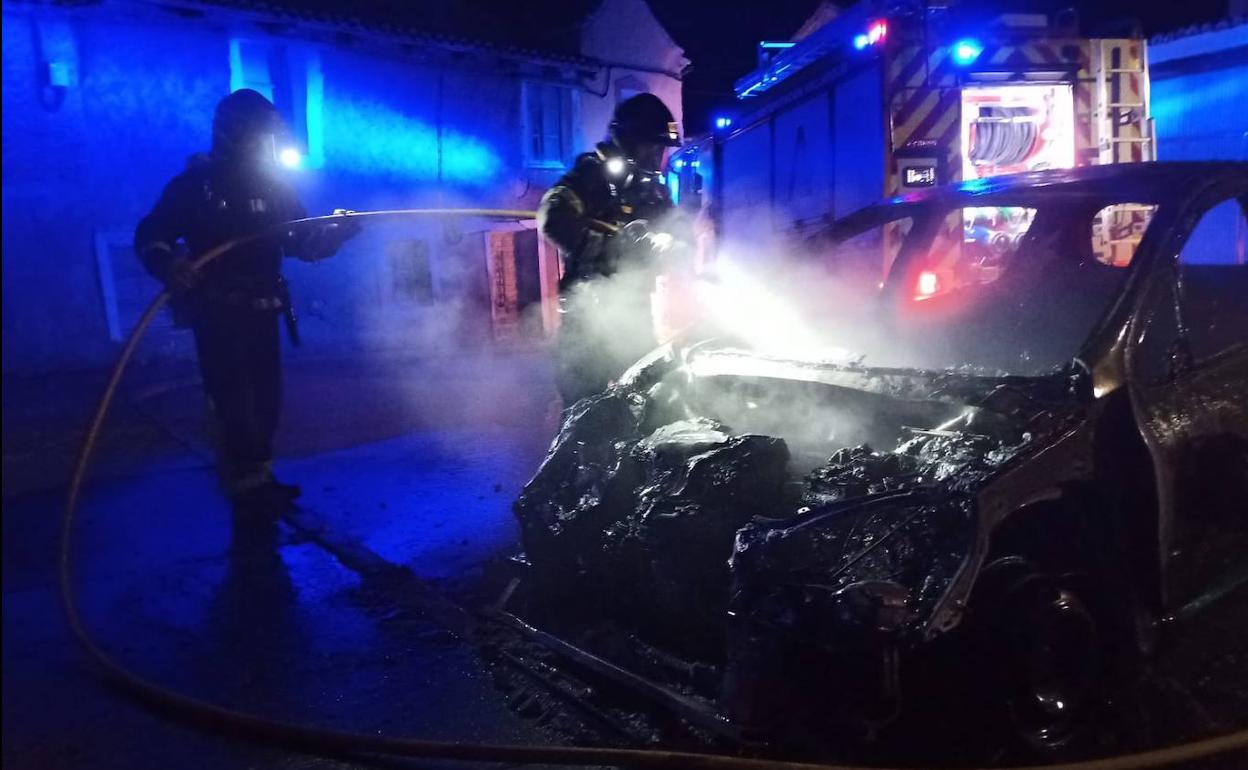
487	213
315	740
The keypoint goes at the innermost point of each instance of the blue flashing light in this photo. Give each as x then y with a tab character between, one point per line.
775	44
678	164
966	51
723	122
861	42
696	163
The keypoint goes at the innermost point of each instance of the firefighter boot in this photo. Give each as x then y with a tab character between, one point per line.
282	494
254	521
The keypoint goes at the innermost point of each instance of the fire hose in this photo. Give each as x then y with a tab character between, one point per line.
1004	136
317	740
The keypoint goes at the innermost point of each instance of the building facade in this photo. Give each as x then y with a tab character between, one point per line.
104	102
1199	85
1199	81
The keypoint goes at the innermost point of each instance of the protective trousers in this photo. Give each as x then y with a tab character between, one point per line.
240	362
583	366
598	341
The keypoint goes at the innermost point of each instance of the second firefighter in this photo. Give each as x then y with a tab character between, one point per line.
604	216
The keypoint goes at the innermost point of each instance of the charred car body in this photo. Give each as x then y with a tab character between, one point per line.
790	545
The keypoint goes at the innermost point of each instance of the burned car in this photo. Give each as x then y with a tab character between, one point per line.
1041	462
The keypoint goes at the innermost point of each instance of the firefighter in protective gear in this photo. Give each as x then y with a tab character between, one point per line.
605	324
235	304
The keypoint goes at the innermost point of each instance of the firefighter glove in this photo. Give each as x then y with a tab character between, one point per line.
180	275
323	240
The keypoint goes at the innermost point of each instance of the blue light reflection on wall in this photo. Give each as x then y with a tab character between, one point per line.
371	138
1200	116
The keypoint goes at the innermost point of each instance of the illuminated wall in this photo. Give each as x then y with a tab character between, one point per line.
1199	88
83	162
656	59
104	102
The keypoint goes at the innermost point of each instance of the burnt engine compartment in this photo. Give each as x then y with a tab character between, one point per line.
703	510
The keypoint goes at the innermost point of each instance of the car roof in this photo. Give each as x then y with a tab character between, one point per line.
1146	183
1153	182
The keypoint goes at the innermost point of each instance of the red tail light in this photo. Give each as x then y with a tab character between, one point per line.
927	285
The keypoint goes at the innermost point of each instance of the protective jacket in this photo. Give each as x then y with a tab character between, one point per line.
601	185
214	201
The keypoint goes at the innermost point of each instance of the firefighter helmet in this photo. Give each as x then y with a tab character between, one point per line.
644	119
243	119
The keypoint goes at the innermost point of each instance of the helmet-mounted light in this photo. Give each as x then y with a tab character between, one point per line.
290	157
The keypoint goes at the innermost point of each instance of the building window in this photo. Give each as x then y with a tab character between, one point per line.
127	290
290	77
411	279
251	66
548	124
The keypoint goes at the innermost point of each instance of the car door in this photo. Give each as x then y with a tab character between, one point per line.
1188	378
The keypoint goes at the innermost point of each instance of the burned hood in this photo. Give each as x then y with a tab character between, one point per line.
942	419
968	385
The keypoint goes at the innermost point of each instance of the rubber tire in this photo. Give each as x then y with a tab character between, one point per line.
1055	682
1044	630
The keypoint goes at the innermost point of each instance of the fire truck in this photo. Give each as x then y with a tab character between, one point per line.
890	97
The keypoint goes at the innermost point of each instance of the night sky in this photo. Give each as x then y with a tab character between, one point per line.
720	38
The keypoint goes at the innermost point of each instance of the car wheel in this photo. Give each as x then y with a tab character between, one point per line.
1048	651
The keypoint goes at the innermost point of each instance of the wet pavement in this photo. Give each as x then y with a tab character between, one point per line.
289	632
410	464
